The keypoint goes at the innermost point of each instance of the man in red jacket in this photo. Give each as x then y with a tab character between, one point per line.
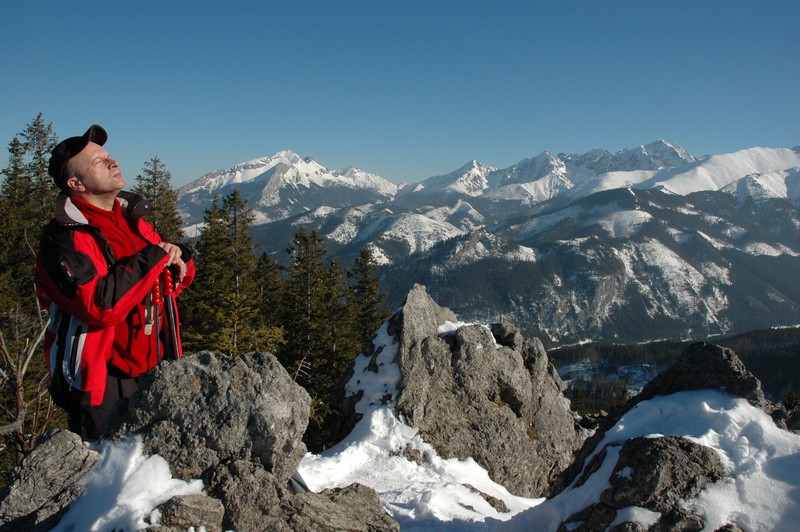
98	268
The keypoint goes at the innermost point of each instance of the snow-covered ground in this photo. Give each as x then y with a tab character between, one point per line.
433	493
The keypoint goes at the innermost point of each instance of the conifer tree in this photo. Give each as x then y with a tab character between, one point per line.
366	301
270	289
303	304
154	185
340	344
320	344
26	204
222	307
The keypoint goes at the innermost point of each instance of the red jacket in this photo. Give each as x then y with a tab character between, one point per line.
100	304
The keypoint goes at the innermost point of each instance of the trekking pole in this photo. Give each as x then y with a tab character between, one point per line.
158	301
171	315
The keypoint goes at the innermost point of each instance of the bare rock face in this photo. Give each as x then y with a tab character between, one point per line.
206	410
234	422
652	473
706	365
703	366
185	511
487	394
44	484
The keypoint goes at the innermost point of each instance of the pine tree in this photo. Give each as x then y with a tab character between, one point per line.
318	334
270	289
303	303
26	204
154	185
222	307
367	302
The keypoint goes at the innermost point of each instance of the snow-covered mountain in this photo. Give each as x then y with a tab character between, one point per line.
645	243
284	185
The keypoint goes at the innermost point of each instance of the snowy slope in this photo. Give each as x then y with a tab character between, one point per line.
719	171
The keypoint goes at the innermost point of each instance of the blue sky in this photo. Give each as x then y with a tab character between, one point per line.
403	89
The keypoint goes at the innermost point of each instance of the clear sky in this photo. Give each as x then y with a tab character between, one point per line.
403	89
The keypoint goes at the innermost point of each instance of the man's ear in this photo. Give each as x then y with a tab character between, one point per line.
73	183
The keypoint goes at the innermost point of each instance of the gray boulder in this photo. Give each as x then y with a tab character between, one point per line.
347	508
487	394
652	473
46	482
207	409
702	366
183	512
706	365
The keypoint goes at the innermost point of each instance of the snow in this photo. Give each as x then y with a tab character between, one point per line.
424	491
609	181
719	171
419	233
124	489
623	224
764	462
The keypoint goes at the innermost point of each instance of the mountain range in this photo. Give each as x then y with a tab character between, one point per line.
646	243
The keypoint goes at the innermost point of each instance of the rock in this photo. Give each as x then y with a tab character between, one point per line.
186	511
496	399
656	474
702	366
251	496
205	410
705	365
660	473
46	482
355	507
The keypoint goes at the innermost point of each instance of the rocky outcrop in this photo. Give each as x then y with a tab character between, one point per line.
702	366
46	482
489	394
657	473
209	410
706	365
651	473
234	422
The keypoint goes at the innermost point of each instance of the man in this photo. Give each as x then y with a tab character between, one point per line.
98	267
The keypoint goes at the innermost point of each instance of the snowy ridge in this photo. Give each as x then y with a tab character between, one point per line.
759	495
290	168
469	180
719	171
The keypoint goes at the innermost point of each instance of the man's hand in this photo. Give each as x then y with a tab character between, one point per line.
174	258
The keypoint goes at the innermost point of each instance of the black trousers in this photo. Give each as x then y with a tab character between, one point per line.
88	420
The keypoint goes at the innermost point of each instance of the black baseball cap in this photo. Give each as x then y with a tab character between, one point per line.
69	148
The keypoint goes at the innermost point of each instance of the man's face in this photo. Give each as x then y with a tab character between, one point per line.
95	170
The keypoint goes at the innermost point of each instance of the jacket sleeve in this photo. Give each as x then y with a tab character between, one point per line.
78	279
